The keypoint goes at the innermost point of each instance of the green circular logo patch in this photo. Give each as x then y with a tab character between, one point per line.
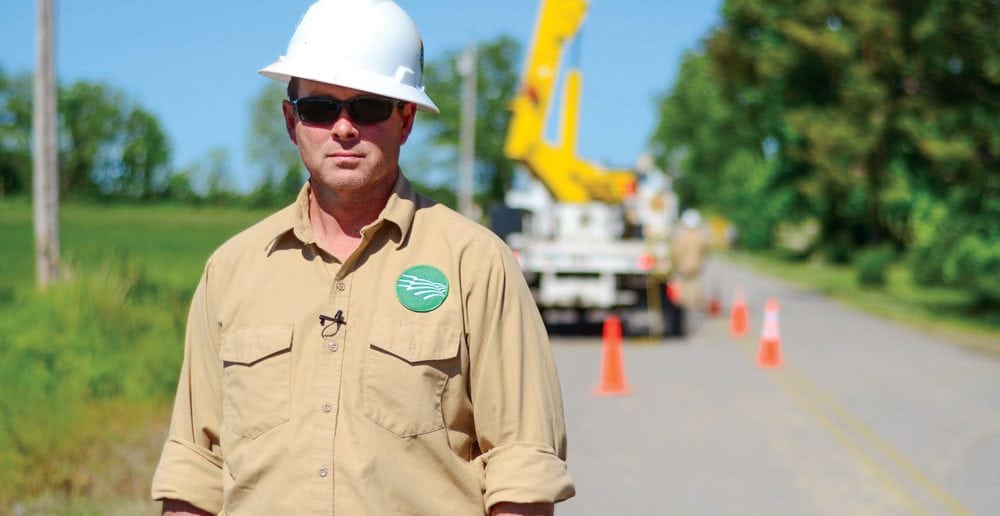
422	288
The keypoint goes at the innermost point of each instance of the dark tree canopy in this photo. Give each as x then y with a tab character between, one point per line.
877	121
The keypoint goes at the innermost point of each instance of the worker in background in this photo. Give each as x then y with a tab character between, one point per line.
365	350
689	253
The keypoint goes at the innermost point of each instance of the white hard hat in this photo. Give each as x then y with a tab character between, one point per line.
368	45
691	218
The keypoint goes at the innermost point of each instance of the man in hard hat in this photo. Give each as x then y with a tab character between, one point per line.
689	252
364	350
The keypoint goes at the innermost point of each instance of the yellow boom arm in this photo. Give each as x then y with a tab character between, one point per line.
567	177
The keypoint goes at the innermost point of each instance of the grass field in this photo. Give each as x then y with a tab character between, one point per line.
88	367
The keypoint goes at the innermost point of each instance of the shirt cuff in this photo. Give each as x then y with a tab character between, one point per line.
189	473
524	473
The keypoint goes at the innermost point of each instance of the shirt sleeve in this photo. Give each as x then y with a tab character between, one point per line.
190	467
514	388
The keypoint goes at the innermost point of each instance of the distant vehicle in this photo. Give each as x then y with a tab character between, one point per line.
591	241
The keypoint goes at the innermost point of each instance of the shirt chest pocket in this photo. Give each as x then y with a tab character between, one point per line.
256	378
405	373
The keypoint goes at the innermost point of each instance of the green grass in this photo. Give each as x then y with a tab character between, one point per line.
172	241
943	311
88	367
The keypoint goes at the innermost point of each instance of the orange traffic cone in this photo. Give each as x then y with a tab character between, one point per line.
715	304
674	291
612	369
739	322
769	354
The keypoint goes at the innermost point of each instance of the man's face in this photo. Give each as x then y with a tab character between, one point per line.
345	156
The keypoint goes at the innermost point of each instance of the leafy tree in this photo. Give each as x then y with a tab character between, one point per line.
721	160
179	187
91	121
496	81
876	120
145	157
690	137
15	133
108	147
866	102
271	152
209	179
950	142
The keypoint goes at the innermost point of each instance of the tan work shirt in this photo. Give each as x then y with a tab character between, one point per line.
389	410
690	251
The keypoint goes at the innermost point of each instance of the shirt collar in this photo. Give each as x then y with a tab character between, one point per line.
300	216
399	210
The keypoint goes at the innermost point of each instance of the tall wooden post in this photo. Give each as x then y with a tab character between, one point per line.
467	138
46	157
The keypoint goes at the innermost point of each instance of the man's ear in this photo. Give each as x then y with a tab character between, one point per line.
290	120
409	114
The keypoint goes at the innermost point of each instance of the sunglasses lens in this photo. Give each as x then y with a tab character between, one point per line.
362	110
317	111
370	110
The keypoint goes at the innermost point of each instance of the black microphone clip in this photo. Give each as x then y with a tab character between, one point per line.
338	319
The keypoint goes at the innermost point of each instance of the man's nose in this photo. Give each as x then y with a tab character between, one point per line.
343	127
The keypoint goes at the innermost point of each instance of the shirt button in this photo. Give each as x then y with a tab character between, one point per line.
341	286
323	472
332	346
327	407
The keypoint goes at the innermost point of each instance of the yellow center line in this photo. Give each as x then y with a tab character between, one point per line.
879	444
832	416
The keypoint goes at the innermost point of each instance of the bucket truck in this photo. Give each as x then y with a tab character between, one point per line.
591	241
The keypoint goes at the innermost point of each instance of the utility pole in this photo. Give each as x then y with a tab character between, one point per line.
46	159
467	138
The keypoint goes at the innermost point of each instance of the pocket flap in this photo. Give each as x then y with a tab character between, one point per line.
416	342
249	344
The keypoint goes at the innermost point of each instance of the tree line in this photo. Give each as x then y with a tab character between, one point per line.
873	123
108	146
113	149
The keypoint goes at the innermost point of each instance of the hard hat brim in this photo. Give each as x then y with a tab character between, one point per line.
284	69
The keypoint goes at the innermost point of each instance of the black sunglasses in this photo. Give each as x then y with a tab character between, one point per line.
362	110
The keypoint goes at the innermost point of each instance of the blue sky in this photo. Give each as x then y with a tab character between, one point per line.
194	63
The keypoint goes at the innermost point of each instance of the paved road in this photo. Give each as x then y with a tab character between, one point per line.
864	417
